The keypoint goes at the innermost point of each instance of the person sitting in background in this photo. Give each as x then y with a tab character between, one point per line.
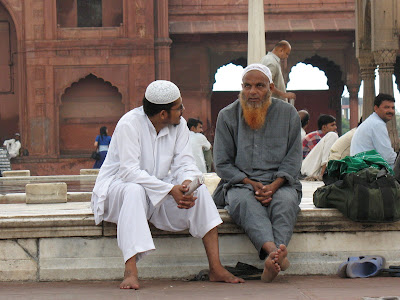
13	146
341	148
326	123
304	118
314	164
102	142
198	143
372	134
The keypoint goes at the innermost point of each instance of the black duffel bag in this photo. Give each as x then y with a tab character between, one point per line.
369	195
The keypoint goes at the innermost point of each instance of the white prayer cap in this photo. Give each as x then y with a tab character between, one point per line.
162	92
259	67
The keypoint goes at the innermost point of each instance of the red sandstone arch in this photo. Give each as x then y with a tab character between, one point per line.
13	102
65	77
16	17
85	106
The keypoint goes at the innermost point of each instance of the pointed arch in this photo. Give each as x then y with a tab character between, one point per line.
13	90
85	106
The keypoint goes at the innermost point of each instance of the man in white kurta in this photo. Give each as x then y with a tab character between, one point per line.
144	177
13	146
198	143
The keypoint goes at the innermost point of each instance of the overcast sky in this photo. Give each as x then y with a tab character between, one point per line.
302	77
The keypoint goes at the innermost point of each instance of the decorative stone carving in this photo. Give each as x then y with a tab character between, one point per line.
387	56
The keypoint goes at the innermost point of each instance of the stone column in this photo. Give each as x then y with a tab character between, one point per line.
335	96
256	32
162	42
353	102
386	60
367	70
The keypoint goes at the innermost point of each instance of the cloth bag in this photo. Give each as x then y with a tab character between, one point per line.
369	195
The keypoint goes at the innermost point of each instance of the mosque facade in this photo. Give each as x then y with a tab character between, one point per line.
68	67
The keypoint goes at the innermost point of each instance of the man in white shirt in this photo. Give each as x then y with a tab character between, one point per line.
144	178
272	60
198	142
372	134
13	146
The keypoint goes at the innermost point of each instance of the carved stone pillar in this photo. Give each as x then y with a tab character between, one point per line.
162	42
353	91
386	60
367	70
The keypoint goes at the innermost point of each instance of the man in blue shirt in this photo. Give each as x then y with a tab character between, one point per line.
372	134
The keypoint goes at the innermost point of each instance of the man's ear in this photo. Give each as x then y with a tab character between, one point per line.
271	86
163	114
375	108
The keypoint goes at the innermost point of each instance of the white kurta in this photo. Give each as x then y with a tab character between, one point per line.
199	143
139	171
318	156
13	147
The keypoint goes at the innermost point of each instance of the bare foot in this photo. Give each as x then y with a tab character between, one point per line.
271	268
131	281
220	274
282	259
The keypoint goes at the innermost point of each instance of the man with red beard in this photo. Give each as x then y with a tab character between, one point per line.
258	155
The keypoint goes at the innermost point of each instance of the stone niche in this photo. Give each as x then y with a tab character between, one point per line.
86	106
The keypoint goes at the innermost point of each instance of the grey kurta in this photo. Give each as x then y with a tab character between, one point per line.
261	155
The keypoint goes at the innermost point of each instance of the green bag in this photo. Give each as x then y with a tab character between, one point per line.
369	195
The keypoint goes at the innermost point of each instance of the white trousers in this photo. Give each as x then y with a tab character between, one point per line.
318	156
128	206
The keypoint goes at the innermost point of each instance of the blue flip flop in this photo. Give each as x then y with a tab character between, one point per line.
341	272
370	265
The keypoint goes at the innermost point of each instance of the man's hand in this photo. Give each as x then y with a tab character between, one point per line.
178	193
264	193
290	95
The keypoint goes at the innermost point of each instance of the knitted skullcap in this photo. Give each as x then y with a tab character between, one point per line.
162	92
259	67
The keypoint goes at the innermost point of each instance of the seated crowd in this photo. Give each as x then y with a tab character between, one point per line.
149	169
324	145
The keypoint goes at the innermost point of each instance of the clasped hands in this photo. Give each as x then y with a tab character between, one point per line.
178	193
263	193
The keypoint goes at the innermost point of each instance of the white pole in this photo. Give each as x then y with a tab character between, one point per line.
256	32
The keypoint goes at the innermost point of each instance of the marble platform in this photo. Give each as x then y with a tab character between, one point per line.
59	241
